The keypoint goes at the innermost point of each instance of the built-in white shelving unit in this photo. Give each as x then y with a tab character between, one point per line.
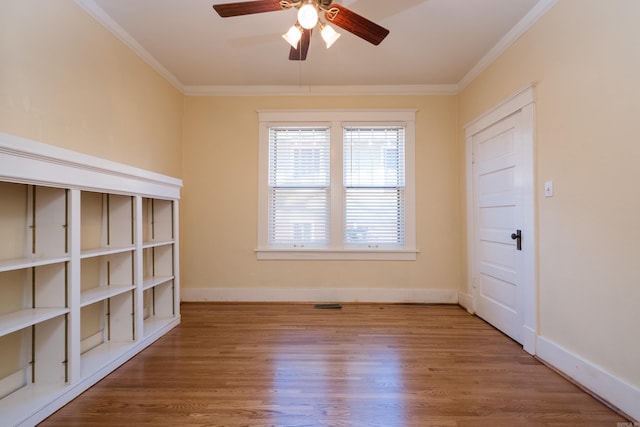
89	272
160	300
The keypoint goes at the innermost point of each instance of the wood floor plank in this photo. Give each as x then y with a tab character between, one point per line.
363	365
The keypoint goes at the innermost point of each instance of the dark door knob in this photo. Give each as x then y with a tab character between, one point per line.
517	236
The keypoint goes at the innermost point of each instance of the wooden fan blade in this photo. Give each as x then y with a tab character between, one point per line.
227	10
356	24
300	54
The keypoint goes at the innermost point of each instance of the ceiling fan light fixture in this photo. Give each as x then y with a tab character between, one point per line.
329	35
293	36
309	13
308	16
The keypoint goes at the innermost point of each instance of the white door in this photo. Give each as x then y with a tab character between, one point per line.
499	221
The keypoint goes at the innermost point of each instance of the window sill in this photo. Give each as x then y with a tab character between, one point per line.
341	254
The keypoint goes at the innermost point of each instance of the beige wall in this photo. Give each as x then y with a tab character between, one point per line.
66	81
219	206
584	56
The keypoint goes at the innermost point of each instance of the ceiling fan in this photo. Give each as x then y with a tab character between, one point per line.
299	35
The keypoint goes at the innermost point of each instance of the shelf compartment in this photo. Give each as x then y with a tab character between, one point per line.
157	261
14	225
33	221
157	220
35	351
158	306
106	221
158	300
32	295
106	270
107	320
13	364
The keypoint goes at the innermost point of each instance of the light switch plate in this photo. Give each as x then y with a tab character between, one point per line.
548	189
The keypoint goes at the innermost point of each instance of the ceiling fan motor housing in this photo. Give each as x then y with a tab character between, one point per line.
324	4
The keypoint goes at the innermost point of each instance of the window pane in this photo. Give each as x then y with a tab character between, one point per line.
299	217
298	157
374	157
374	182
374	216
299	178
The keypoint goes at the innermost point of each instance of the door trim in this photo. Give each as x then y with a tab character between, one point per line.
522	101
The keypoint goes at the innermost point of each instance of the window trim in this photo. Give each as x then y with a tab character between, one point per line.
336	119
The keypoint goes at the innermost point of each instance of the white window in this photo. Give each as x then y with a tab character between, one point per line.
298	212
336	185
374	186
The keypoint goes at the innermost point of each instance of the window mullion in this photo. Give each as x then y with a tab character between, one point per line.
337	190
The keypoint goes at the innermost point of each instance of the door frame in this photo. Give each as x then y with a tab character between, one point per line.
523	102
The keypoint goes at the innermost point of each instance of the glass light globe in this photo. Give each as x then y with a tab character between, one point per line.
293	36
329	35
308	16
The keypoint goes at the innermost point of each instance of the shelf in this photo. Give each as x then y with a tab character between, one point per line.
90	253
21	319
156	244
94	295
156	323
151	282
28	400
98	357
28	262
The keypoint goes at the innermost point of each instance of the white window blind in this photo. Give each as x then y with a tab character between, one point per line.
299	182
374	186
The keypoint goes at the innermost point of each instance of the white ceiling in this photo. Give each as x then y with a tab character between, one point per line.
435	45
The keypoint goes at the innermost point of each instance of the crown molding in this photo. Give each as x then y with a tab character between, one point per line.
103	18
294	90
541	8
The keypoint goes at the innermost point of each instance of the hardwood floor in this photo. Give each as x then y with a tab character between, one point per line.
363	365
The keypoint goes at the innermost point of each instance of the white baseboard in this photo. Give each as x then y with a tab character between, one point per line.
612	389
529	336
529	340
466	301
340	295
